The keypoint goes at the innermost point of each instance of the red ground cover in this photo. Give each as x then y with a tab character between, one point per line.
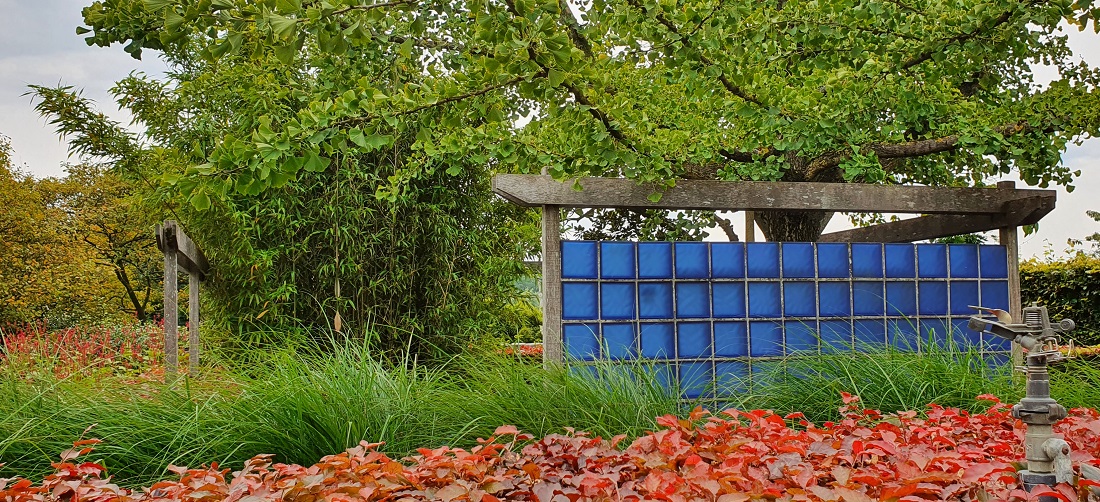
947	454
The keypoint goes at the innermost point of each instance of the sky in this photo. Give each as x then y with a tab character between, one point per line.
39	45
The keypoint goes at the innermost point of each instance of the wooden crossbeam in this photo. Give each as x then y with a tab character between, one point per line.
537	190
1017	213
191	259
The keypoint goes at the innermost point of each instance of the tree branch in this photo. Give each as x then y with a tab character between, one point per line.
726	227
962	37
904	150
726	83
458	97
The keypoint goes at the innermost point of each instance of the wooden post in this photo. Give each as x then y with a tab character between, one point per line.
551	286
750	226
1009	238
193	322
171	314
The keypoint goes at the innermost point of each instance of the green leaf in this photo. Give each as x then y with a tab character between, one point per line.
200	200
356	136
454	170
155	5
286	53
282	27
555	76
316	163
655	197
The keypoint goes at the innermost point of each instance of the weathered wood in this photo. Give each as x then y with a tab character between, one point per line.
1021	212
537	190
552	349
750	226
171	314
193	323
192	259
1008	236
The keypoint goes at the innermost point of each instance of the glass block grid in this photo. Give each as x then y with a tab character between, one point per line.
713	311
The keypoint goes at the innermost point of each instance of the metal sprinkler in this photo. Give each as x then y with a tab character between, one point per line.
1047	456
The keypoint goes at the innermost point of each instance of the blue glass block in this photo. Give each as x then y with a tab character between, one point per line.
995	294
693	339
729	299
870	334
900	261
765	338
578	260
655	260
731	339
659	374
654	300
692	299
618	341
692	260
832	260
868	298
997	361
932	260
763	259
658	341
936	331
579	300
866	260
581	341
584	372
964	294
834	299
963	335
617	301
901	298
766	374
995	343
731	378
695	379
799	299
617	260
798	259
964	260
764	299
727	260
836	336
993	261
903	334
932	298
801	336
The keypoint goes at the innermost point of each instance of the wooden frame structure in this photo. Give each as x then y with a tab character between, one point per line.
180	252
946	211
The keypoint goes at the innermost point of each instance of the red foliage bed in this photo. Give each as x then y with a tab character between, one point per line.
946	454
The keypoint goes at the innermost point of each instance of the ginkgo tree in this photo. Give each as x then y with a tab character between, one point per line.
857	91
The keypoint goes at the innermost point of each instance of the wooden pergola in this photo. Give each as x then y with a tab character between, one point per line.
946	211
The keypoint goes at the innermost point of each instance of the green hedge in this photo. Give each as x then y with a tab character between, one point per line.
1069	288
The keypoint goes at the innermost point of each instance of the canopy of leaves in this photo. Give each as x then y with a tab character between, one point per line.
900	91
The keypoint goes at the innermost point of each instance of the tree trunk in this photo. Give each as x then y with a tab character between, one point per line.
793	226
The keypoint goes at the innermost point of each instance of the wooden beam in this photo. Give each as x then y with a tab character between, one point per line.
192	259
538	190
1021	212
750	226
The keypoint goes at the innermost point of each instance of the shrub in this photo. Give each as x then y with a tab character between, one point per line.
1069	288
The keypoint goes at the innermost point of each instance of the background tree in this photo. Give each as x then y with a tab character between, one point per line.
426	269
872	91
47	274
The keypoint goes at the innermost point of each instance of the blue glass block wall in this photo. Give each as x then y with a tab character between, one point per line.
714	311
